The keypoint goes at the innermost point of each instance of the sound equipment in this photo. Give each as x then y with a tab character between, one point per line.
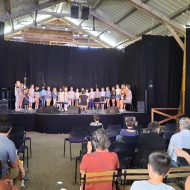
48	110
2	25
140	106
74	11
112	110
73	110
3	105
85	13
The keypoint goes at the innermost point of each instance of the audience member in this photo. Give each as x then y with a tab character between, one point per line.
100	160
184	154
96	121
158	167
130	131
180	139
7	152
148	143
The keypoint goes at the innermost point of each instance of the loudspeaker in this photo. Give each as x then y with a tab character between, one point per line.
75	11
2	25
112	110
49	110
3	105
73	110
85	13
140	106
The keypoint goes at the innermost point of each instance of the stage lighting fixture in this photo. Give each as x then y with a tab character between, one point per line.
74	11
85	12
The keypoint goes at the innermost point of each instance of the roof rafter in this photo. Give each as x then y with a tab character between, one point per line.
158	15
173	16
111	24
29	10
97	4
98	40
7	4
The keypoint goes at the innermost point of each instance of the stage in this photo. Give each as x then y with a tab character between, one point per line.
63	122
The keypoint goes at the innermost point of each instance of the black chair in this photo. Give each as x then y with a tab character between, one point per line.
18	139
77	135
30	142
113	130
93	128
181	161
169	130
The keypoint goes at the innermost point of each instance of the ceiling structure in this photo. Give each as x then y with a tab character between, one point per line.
111	23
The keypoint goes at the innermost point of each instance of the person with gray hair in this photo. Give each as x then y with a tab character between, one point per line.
100	160
180	140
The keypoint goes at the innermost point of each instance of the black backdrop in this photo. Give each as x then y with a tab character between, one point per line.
154	59
187	92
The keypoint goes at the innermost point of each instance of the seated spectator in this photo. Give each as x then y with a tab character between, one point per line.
184	154
130	131
148	143
180	139
158	167
96	121
100	160
8	152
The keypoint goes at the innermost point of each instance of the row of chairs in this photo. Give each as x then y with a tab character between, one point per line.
127	176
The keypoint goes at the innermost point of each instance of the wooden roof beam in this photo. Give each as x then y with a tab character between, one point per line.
158	15
97	4
29	10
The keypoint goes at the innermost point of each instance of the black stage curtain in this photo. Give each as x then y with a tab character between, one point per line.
187	92
154	64
58	66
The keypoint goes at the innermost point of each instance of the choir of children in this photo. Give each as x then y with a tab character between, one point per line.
25	98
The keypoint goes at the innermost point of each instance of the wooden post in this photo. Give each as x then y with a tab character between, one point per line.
183	80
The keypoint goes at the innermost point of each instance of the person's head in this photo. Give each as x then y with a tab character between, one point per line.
158	164
102	89
113	88
107	89
100	139
154	127
17	83
91	90
97	89
43	87
117	86
71	89
48	88
60	90
5	128
66	89
86	90
96	118
184	123
54	89
130	122
77	90
36	88
31	86
122	86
